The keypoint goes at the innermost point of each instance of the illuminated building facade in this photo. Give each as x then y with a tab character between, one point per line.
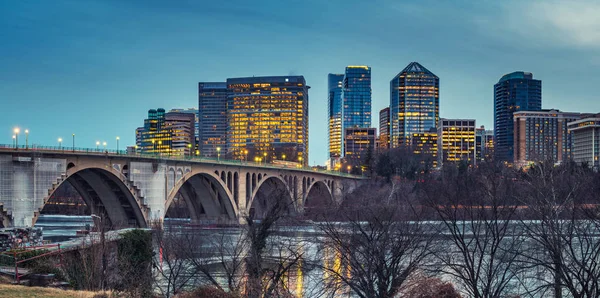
358	142
335	82
384	129
169	134
542	135
456	141
514	92
212	118
425	146
586	141
484	143
356	96
196	123
268	118
414	104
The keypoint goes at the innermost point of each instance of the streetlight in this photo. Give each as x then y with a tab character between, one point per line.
26	138
97	145
349	167
118	145
300	160
246	155
104	144
283	157
59	143
190	150
218	153
73	142
265	155
16	137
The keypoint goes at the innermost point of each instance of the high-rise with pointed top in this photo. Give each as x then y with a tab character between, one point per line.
414	104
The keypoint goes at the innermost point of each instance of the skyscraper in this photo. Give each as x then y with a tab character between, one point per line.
414	104
516	91
384	128
542	135
356	96
335	83
358	142
268	118
193	111
212	117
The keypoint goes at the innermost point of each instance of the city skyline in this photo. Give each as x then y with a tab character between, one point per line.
60	62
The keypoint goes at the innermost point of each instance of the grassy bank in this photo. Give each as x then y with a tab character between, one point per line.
14	291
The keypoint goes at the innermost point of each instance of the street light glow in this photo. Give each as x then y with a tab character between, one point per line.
16	130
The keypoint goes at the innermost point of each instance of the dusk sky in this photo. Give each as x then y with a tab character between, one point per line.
94	68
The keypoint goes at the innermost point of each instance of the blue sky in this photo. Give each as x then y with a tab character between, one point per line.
94	68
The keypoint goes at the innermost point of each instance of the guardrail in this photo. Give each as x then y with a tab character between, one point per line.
53	249
163	156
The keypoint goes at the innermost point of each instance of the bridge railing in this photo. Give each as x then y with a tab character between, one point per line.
163	156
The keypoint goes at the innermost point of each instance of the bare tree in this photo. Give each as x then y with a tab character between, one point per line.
477	210
379	242
564	246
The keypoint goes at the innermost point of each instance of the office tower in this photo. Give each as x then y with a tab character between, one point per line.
358	143
169	134
212	118
586	141
268	118
335	83
414	104
193	111
516	91
484	143
384	129
356	97
425	147
456	141
542	135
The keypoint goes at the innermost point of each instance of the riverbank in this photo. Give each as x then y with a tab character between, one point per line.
15	291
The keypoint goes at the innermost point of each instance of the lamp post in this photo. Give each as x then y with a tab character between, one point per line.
283	157
159	145
73	142
26	138
97	145
59	143
265	155
218	153
349	167
118	145
16	137
300	160
14	142
104	144
190	150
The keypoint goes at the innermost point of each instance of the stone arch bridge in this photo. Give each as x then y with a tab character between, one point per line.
134	190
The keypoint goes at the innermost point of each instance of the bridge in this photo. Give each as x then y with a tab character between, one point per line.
135	190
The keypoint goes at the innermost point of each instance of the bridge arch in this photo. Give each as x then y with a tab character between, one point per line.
205	194
317	196
106	192
262	196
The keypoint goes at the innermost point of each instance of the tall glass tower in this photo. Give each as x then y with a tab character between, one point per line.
212	117
335	83
414	104
356	96
516	91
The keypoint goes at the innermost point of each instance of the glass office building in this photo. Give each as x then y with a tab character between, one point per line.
358	142
484	143
586	141
384	129
268	118
212	118
170	134
356	96
514	92
334	83
456	141
414	104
